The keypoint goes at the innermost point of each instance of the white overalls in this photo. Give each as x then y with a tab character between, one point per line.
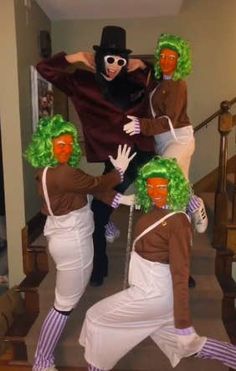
70	244
118	323
176	143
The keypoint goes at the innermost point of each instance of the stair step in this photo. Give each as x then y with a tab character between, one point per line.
37	249
31	281
145	356
20	327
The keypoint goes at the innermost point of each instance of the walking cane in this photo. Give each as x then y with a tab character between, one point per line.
128	246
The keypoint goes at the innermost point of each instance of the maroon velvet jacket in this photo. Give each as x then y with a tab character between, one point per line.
102	121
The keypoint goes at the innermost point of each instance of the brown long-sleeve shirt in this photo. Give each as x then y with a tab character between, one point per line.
68	188
170	99
169	243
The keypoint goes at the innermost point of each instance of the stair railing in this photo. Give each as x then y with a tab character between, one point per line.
226	121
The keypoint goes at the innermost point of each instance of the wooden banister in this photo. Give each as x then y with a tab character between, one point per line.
224	106
225	125
226	121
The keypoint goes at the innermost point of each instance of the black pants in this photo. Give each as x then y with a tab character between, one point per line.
102	213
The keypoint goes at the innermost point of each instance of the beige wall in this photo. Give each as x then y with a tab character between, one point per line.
11	140
19	49
29	21
211	29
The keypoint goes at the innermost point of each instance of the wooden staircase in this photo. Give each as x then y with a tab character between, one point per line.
224	226
35	263
35	257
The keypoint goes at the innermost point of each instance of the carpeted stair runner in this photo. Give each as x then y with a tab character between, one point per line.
205	303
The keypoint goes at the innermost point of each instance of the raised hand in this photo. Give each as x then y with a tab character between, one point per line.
122	160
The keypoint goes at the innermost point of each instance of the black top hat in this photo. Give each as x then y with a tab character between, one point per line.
113	39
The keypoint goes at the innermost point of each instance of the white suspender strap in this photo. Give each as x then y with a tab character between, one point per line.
45	191
165	116
154	225
150	102
172	130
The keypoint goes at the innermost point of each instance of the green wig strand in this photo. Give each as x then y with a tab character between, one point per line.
179	190
179	45
39	153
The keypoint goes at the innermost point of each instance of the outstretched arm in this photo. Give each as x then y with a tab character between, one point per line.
86	58
56	69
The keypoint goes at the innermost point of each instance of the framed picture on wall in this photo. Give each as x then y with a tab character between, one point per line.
41	96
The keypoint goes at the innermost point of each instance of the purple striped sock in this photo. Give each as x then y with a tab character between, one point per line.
50	333
194	204
220	351
109	227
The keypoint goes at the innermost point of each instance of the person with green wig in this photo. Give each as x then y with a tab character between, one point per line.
63	187
156	304
169	122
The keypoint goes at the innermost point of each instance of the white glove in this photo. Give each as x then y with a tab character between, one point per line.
133	127
122	160
127	200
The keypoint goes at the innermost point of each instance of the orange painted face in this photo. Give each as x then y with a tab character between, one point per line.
63	147
168	61
157	190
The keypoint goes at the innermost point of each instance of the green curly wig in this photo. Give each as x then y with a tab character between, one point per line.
176	43
39	153
179	190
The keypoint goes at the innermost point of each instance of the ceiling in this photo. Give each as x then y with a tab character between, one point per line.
100	9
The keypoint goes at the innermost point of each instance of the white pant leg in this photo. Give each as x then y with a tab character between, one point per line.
182	152
117	324
74	260
70	244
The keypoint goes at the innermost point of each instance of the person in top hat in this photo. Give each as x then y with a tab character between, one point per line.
113	38
103	96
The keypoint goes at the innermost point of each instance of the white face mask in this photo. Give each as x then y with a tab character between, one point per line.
113	66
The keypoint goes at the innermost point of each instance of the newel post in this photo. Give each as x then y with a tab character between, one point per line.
225	125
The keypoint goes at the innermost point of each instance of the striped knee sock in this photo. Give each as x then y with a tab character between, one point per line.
220	351
193	205
92	368
50	333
